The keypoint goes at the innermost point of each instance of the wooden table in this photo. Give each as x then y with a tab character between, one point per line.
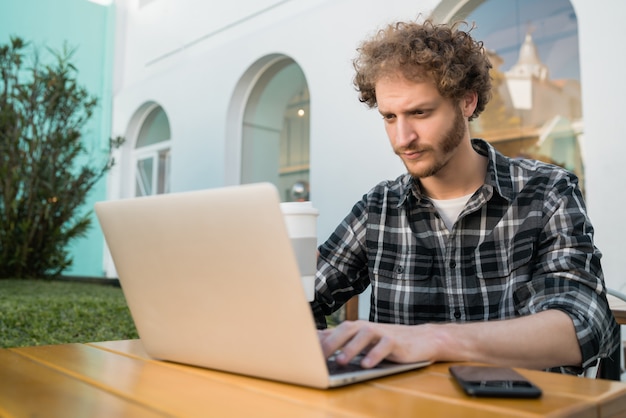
118	379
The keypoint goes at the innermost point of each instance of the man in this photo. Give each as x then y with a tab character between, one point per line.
472	256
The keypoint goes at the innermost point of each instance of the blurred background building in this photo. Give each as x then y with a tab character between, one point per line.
210	94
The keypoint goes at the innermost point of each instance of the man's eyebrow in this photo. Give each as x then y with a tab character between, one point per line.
413	108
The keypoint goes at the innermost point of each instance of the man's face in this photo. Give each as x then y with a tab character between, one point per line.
424	128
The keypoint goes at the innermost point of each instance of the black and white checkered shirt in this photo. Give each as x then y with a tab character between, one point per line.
522	244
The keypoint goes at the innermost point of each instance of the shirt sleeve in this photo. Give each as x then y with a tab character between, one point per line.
341	266
568	275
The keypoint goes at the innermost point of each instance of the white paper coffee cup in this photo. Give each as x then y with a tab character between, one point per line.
301	222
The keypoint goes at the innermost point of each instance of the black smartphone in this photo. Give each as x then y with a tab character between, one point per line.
494	382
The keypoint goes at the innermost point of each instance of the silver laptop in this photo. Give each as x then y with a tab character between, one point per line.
211	280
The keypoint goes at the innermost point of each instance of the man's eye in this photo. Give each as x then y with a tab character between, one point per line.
389	117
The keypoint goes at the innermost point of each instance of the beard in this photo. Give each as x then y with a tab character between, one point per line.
442	153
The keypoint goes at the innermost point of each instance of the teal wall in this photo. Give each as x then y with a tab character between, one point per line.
89	28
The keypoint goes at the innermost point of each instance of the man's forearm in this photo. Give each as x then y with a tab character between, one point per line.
543	340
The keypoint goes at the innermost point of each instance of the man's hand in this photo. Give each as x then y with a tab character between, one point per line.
399	343
542	340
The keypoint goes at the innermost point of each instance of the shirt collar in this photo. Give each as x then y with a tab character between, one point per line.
498	170
498	174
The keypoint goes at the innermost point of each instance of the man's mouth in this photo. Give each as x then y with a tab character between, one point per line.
412	154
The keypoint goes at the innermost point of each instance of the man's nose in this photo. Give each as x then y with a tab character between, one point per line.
405	132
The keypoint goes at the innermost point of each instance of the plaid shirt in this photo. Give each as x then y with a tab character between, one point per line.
522	244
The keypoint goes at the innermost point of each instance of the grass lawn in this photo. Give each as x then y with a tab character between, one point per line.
40	312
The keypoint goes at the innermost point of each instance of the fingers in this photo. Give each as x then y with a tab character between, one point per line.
352	338
399	343
335	338
363	338
378	353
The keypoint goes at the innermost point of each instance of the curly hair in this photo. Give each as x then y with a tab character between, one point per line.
455	62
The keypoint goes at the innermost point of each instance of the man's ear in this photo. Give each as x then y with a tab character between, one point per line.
469	103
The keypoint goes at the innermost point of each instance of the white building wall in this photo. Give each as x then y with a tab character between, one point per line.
188	56
600	26
195	84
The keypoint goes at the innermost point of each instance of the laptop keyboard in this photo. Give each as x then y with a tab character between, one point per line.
336	368
354	365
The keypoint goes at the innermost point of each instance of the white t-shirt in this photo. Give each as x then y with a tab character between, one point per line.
450	209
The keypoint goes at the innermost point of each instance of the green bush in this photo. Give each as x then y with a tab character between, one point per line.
46	171
40	312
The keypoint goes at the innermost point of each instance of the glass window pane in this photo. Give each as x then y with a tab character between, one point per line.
163	184
156	128
275	141
143	178
152	155
536	107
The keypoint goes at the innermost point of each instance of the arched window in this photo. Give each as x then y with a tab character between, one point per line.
536	108
152	154
275	131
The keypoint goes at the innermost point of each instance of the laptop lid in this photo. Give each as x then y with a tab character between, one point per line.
211	280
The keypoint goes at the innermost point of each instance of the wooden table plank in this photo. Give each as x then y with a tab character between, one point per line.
117	378
561	392
191	391
431	386
29	389
165	389
608	394
442	386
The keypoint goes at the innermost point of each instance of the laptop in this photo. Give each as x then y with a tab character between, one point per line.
211	280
